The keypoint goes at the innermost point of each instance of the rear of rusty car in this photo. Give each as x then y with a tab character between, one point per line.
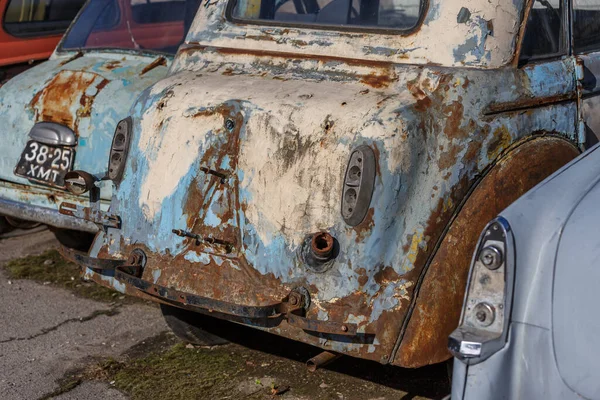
61	114
308	168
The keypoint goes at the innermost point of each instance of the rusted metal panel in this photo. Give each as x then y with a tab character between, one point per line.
67	94
94	215
279	173
439	300
238	159
89	94
33	203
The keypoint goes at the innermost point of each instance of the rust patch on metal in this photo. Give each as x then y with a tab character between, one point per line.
473	150
423	101
501	140
455	111
160	61
377	81
217	188
386	274
364	228
77	55
67	98
362	277
438	306
110	65
448	158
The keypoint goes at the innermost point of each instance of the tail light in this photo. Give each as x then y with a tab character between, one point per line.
359	183
119	150
486	310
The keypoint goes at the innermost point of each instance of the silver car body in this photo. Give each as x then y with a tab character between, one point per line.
552	334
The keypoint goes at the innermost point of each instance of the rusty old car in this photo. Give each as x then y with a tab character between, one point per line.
60	114
29	32
321	170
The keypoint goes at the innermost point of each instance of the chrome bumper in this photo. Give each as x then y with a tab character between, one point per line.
44	215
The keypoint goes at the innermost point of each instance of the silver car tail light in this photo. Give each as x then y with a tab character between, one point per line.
119	150
486	309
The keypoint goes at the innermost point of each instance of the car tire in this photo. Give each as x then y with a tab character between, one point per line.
5	227
21	223
186	325
72	239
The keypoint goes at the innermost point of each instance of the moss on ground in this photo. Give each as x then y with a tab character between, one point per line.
162	367
178	373
51	268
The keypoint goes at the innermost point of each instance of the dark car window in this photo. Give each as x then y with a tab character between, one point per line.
390	14
544	31
155	11
24	18
141	25
586	25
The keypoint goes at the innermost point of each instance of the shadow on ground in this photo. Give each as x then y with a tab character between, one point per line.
430	382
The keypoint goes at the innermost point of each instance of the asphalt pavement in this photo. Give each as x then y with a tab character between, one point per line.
47	331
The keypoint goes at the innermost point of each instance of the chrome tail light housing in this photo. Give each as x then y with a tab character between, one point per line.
483	325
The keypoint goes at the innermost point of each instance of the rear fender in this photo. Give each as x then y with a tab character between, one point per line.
435	310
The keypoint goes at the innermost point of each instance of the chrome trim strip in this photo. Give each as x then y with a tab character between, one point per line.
44	215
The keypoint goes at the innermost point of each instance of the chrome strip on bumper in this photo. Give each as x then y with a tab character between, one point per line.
44	215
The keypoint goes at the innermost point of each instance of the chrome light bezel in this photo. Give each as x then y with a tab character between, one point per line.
483	326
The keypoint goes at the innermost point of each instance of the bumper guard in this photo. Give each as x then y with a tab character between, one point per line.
292	307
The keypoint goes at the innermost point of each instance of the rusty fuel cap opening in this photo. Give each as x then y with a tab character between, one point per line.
319	250
321	246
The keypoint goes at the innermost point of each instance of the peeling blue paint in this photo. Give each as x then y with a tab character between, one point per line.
25	100
265	186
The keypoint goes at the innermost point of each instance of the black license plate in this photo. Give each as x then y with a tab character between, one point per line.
45	164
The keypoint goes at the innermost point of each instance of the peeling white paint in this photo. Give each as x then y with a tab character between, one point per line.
167	166
438	40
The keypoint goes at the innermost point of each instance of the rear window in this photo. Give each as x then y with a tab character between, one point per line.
143	25
386	14
156	11
25	18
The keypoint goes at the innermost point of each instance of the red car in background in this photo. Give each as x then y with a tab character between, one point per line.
30	30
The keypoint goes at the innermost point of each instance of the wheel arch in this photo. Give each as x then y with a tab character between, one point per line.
437	302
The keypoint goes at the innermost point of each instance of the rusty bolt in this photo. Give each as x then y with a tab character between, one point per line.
229	124
344	328
293	300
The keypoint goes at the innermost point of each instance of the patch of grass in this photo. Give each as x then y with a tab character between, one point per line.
51	268
178	373
161	367
65	386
